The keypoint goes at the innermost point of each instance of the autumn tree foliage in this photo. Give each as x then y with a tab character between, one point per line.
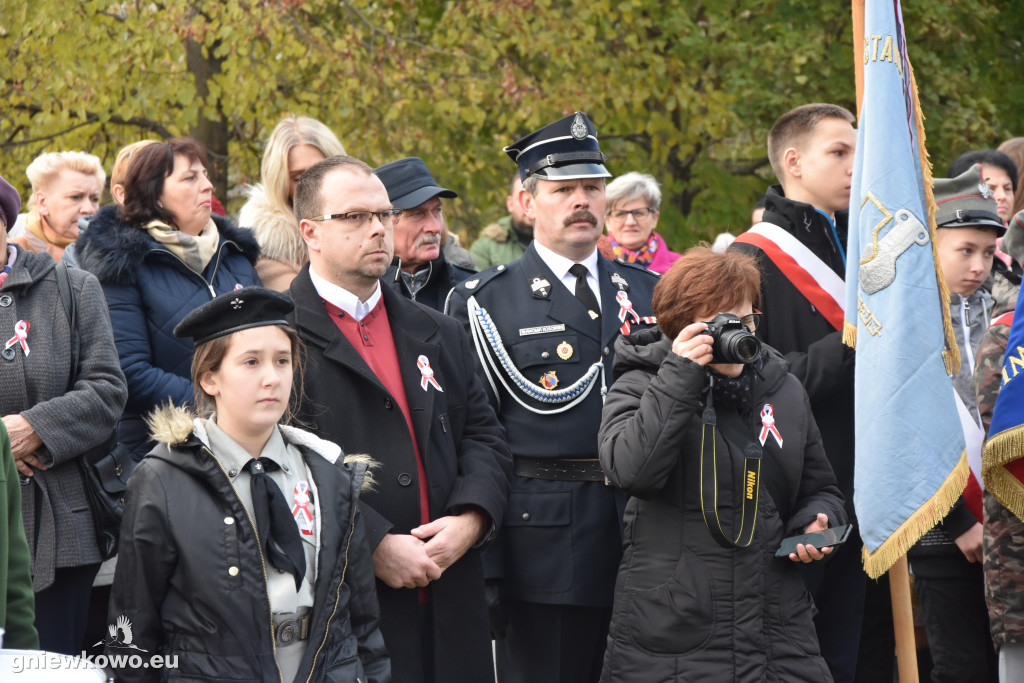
683	90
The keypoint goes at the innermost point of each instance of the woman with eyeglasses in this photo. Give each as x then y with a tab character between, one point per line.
633	201
722	460
158	255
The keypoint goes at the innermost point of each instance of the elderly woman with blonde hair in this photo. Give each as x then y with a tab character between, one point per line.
634	205
65	187
293	146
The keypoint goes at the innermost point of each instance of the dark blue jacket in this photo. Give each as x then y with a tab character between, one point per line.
149	290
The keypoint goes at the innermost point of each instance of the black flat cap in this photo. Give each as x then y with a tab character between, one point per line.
233	311
410	184
966	202
564	150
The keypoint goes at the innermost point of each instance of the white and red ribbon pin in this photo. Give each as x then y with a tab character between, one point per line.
626	311
768	425
427	374
20	336
302	510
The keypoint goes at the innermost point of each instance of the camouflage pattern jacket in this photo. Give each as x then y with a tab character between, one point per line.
1004	555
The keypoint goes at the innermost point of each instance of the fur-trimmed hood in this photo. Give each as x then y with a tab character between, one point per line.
277	233
114	251
175	426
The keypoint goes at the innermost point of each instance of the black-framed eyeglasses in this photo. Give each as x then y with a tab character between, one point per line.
752	321
637	214
358	219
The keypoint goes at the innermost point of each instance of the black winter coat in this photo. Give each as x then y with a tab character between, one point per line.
687	609
442	277
794	327
464	456
149	290
191	579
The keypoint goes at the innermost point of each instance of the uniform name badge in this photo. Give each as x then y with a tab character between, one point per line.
302	509
768	425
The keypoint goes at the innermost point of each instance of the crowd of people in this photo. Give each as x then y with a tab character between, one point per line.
356	451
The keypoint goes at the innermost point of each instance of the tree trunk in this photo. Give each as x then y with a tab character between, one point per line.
211	128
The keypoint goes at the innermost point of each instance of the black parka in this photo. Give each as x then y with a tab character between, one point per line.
191	580
687	609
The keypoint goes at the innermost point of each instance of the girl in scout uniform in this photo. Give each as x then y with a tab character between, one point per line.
243	554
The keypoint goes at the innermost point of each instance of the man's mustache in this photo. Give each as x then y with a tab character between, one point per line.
581	215
429	239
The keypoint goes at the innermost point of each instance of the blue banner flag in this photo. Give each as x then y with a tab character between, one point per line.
910	462
1003	459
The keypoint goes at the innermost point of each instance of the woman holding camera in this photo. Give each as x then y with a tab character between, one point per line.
678	428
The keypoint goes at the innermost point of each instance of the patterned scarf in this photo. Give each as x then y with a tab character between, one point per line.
642	256
195	252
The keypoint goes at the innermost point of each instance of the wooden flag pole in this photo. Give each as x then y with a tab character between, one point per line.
903	621
899	573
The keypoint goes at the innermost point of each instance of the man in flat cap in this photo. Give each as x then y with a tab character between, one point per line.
392	378
420	270
544	327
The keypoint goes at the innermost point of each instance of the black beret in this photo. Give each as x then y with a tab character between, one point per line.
233	311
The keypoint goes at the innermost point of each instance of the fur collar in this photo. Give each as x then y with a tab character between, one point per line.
277	233
114	252
175	426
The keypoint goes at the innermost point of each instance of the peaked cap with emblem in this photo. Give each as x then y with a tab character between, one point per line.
409	183
966	201
564	150
234	311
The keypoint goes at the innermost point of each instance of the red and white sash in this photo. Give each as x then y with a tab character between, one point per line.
974	437
812	277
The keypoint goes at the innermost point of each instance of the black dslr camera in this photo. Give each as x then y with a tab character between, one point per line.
733	342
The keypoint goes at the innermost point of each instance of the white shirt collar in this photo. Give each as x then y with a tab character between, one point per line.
342	298
560	265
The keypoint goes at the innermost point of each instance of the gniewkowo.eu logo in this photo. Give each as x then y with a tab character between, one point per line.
26	662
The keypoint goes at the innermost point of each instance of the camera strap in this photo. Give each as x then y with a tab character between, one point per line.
733	430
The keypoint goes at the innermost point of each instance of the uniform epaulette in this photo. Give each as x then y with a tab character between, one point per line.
637	266
475	283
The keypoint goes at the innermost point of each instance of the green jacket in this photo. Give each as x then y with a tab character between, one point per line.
497	244
17	602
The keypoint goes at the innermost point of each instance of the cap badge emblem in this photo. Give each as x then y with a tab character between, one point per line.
236	303
579	127
985	190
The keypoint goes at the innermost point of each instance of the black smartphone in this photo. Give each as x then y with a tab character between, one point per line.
819	539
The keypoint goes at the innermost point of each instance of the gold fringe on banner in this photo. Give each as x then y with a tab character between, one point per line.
850	334
924	518
951	355
1000	450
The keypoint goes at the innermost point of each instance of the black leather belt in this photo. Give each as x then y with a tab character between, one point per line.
291	629
559	469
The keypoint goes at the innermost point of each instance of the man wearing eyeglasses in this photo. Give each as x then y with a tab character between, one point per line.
390	378
420	270
544	327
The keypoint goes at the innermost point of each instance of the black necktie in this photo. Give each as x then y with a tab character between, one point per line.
279	535
583	291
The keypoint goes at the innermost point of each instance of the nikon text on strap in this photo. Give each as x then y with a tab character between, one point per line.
732	428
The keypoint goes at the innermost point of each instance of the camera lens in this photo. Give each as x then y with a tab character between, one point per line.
739	346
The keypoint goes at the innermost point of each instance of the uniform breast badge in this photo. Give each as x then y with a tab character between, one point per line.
549	380
302	509
564	350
